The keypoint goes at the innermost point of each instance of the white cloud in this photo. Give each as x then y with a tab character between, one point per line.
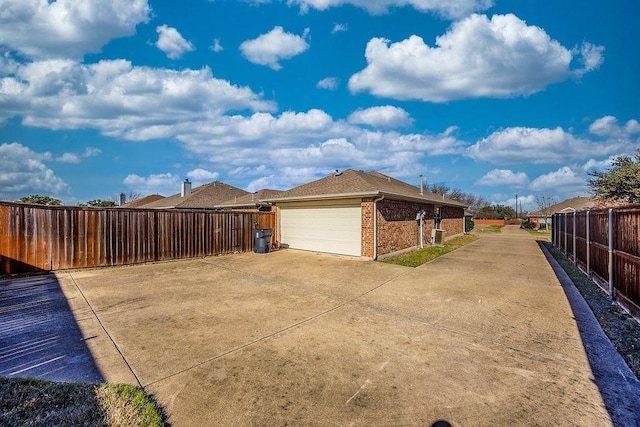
525	202
68	158
593	164
448	9
563	180
591	57
121	100
271	48
23	173
91	152
533	145
168	183
339	28
202	175
286	178
503	177
478	57
608	126
171	42
329	83
386	116
67	28
314	140
165	183
77	158
216	46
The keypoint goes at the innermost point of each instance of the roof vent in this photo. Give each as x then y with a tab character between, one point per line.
338	173
186	188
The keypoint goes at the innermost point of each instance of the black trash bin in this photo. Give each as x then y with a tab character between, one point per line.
263	240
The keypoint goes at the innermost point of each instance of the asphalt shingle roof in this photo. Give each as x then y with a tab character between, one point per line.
358	183
205	196
577	203
250	199
143	201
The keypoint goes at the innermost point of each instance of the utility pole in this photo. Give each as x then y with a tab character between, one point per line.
516	206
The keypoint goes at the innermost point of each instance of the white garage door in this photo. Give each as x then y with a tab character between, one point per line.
324	229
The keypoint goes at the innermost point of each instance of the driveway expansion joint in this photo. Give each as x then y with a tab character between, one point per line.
95	315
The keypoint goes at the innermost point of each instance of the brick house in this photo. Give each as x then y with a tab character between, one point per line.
366	214
540	218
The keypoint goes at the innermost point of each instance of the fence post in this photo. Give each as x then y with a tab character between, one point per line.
612	289
588	246
566	232
574	238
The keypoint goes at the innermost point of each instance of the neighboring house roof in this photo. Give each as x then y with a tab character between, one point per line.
250	200
351	183
143	201
205	196
570	205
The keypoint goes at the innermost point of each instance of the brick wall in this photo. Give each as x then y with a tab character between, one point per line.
397	226
452	220
367	228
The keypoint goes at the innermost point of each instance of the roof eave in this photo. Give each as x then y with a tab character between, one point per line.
256	204
322	197
420	199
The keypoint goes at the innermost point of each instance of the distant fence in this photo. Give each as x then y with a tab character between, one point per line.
605	244
42	238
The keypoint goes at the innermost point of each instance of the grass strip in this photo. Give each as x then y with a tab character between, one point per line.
488	229
620	327
421	256
30	402
540	234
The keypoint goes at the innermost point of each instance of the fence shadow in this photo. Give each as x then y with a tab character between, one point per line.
39	336
618	386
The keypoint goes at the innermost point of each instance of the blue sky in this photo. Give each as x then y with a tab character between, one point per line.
497	98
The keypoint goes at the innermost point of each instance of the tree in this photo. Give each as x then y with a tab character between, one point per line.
471	200
495	212
620	183
37	199
99	203
544	203
128	197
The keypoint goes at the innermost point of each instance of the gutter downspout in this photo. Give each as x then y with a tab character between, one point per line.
375	227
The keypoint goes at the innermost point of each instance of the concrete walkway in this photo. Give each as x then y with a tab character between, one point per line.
482	336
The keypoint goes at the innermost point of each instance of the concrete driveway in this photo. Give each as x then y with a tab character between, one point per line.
482	336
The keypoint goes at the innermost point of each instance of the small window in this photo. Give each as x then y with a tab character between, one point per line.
436	217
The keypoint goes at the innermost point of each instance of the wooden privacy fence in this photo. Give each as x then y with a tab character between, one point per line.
605	244
42	238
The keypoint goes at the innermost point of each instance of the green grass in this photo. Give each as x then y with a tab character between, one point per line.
421	256
488	229
620	327
30	402
544	235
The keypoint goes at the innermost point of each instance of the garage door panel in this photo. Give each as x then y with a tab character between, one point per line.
323	229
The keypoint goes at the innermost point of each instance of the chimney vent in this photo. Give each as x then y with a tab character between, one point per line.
421	186
122	199
186	188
